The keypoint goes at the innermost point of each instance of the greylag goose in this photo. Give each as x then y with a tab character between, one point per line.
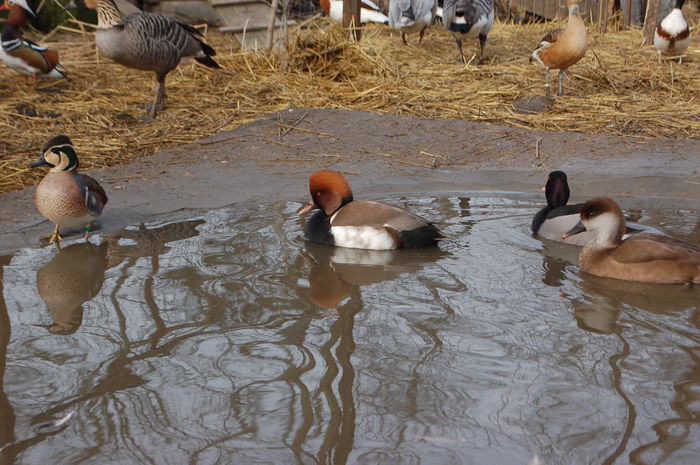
146	41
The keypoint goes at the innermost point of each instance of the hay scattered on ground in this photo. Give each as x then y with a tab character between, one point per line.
619	88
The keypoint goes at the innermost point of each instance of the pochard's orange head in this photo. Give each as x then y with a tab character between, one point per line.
329	191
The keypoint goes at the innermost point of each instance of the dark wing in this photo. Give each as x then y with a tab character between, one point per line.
95	196
551	36
163	37
644	248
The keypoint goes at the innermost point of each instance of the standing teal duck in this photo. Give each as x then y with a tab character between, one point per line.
66	197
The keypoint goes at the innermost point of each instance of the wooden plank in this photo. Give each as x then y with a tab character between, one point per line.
241	15
650	21
251	27
218	3
351	17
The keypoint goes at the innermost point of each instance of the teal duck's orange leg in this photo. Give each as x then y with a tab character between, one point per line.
55	237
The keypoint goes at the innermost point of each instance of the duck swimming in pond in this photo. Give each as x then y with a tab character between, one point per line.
361	224
649	258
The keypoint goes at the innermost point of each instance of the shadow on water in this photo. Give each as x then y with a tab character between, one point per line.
229	339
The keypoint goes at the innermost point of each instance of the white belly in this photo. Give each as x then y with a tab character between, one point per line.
362	237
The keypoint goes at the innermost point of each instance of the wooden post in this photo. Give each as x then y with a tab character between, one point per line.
271	24
351	17
650	21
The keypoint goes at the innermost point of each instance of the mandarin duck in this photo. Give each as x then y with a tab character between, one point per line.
23	55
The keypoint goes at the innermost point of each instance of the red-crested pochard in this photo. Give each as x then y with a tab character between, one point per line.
552	221
649	258
361	224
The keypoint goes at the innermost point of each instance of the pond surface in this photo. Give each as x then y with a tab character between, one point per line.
228	339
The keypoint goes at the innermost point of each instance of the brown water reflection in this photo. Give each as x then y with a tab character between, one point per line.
228	339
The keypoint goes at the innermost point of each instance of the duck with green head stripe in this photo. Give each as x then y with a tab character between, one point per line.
67	198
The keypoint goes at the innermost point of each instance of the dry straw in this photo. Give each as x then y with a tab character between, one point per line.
618	88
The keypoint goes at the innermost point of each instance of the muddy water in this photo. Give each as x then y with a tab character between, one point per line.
228	339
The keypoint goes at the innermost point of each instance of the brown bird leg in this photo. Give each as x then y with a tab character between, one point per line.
403	37
158	99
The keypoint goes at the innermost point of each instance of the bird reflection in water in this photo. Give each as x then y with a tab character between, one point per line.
70	279
605	298
336	271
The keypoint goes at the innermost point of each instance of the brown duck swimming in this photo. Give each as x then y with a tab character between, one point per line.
649	258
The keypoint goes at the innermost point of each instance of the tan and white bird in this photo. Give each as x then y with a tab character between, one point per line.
562	48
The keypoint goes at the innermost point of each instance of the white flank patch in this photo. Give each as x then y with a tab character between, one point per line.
362	237
344	255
